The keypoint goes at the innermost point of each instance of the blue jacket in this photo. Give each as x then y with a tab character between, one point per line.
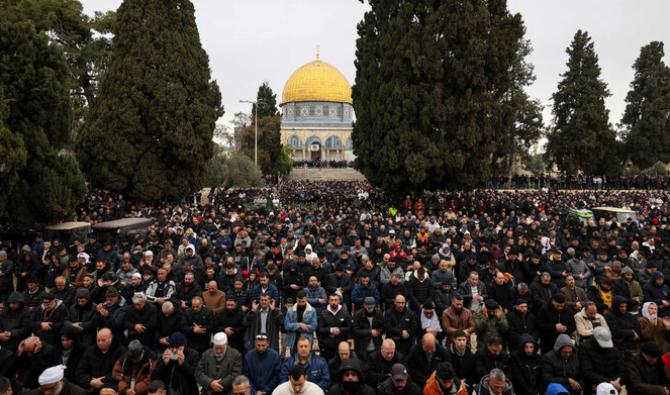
654	293
556	389
360	292
262	371
272	291
293	331
314	294
316	368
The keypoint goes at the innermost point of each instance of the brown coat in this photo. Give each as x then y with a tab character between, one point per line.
453	322
572	296
124	373
216	302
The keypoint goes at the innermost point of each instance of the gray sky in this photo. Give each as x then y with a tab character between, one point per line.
251	41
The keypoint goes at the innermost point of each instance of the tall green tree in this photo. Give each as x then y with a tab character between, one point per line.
525	116
85	41
430	88
38	182
149	131
267	102
582	138
646	120
271	158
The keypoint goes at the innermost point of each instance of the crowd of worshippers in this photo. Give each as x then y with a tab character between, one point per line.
448	293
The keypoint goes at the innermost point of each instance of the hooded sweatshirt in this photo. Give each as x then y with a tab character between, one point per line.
621	325
351	388
526	370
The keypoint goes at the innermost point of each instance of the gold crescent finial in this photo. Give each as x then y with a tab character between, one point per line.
318	53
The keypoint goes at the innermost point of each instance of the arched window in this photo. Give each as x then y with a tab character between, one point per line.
333	142
294	142
313	140
350	144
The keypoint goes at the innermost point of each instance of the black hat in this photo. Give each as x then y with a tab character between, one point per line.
521	301
82	293
651	349
15	297
491	304
32	279
47	296
108	276
558	297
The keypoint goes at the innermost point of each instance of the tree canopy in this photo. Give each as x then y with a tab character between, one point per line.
581	138
646	120
149	130
39	182
431	91
271	157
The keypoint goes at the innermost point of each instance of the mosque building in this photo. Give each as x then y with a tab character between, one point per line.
317	114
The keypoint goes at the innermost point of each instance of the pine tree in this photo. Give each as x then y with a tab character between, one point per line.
83	40
149	131
431	81
646	120
270	153
582	138
39	182
267	102
527	125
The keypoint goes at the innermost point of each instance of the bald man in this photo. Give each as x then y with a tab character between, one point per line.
400	324
214	298
378	367
95	366
32	357
424	358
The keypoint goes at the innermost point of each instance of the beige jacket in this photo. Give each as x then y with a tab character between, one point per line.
585	326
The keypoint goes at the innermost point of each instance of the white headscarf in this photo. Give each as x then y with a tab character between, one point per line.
645	312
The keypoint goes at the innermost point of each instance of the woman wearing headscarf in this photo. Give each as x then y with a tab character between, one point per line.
648	320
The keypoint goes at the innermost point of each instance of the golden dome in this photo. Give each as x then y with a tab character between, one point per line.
317	81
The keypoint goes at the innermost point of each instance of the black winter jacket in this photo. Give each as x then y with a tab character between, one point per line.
526	370
148	317
485	362
622	326
94	363
361	331
599	364
181	379
327	320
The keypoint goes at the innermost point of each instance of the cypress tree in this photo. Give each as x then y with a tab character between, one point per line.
524	116
149	131
581	138
646	120
269	132
431	78
39	182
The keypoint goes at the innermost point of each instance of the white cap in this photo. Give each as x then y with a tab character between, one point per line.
138	275
149	253
52	375
603	336
220	339
606	389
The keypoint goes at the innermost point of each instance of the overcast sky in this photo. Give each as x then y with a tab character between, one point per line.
251	41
